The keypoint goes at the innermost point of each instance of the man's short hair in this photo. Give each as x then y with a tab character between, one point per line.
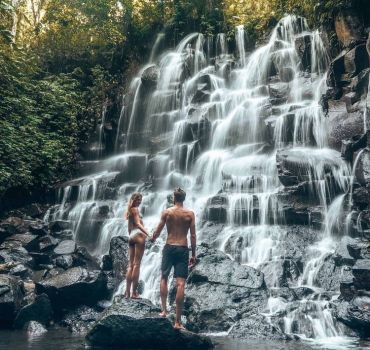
179	195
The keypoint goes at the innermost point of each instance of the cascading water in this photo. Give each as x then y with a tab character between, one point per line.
217	130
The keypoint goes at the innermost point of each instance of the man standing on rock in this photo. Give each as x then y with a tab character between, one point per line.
178	221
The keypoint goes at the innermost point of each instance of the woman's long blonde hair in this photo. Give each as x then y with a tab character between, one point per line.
133	198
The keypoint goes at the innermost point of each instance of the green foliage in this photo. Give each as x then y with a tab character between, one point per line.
38	124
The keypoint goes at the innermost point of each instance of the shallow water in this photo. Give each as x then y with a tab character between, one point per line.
62	339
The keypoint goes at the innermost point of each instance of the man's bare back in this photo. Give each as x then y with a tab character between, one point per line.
178	222
175	254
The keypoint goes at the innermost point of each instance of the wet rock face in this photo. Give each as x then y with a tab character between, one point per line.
118	253
257	327
72	287
293	169
331	273
81	320
355	314
361	272
356	60
11	297
65	247
136	324
303	49
348	27
149	77
359	249
217	208
220	291
362	170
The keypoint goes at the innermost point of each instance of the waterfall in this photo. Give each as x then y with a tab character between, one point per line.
160	38
120	122
221	45
216	125
240	45
101	130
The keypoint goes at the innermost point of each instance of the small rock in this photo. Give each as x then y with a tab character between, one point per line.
38	228
27	241
257	327
47	243
20	270
286	74
64	261
65	247
59	225
35	329
106	263
81	320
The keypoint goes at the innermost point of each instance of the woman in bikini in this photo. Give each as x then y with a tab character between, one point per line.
137	236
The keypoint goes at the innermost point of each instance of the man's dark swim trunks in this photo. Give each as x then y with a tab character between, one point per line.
176	256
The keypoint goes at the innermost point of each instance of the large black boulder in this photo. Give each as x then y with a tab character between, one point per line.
220	291
118	252
136	324
149	77
76	286
11	297
39	310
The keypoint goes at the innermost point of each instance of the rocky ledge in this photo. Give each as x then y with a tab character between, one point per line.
137	324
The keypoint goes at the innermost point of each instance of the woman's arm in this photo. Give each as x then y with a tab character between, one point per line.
136	217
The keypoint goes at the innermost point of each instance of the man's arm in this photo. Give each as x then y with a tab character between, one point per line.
193	241
160	226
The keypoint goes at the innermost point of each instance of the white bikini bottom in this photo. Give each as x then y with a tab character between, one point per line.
134	233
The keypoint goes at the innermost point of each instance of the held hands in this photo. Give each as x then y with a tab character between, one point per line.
151	237
192	262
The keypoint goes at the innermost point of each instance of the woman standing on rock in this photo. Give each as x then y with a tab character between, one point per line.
137	235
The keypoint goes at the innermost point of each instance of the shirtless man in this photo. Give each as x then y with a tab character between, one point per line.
178	221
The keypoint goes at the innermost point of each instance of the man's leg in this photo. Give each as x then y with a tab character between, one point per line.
164	293
180	294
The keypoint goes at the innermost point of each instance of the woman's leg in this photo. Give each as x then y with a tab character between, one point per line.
139	251
130	268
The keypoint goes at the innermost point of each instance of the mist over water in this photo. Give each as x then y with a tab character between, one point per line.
214	124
